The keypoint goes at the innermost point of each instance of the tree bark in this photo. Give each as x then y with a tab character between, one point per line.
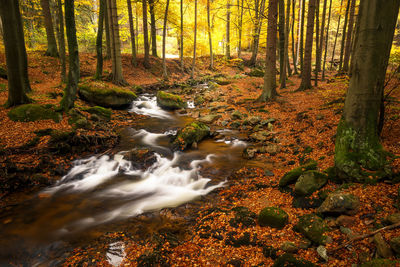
24	57
282	37
153	29
228	29
359	154
68	100
294	56
107	28
327	40
259	10
306	73
240	30
11	19
287	33
303	15
210	36
132	32
195	40
165	74
336	36
48	23
344	36
99	41
321	40
269	88
181	37
347	49
146	61
61	41
317	37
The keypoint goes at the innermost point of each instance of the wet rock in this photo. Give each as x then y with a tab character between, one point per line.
170	101
340	203
105	96
260	136
313	228
272	149
309	182
249	152
393	218
209	118
103	113
273	217
289	247
141	158
346	221
382	248
191	133
292	176
395	245
34	112
288	259
236	115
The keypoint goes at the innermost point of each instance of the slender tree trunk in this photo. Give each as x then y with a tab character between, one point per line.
327	40
108	38
228	29
269	88
67	102
347	48
153	29
260	6
165	74
48	23
240	29
137	28
294	56
306	73
195	40
99	41
61	41
317	48
132	32
210	36
337	34
181	38
359	154
303	15
282	37
321	40
146	61
344	36
24	57
287	33
11	19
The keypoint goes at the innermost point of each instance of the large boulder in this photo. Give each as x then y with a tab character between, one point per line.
340	203
34	112
170	101
395	244
313	228
273	217
382	247
191	133
309	182
292	176
103	95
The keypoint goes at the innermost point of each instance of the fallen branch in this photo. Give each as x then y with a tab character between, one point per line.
360	237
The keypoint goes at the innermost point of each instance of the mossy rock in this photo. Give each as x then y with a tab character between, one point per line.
191	133
102	95
292	176
34	112
170	101
395	245
256	73
104	113
243	217
77	119
309	182
288	259
222	81
380	263
340	203
273	217
199	100
313	228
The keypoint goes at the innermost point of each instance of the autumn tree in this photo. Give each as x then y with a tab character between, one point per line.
153	29
281	30
347	47
344	34
132	32
146	62
99	41
209	35
358	151
61	40
195	40
228	28
259	7
165	74
181	37
48	23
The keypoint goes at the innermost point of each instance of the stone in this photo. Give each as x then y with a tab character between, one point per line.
199	100
379	263
272	149
34	112
249	152
260	136
345	221
382	248
191	133
170	101
222	81
268	173
101	112
395	245
292	176
340	203
236	115
309	182
312	227
253	120
393	218
288	259
236	124
273	217
321	250
210	118
289	247
256	73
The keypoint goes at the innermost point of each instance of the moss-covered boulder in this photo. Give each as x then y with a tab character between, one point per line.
313	228
273	217
103	113
103	95
340	203
34	112
309	182
256	73
77	119
395	245
170	101
288	259
292	176
191	133
210	118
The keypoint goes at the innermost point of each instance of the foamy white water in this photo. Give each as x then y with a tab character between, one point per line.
147	105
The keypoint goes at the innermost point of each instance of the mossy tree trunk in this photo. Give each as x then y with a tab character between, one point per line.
99	42
132	32
165	74
240	28
48	23
146	62
358	152
61	40
287	33
321	40
269	88
317	38
153	28
294	59
67	102
259	11
24	57
301	45
13	39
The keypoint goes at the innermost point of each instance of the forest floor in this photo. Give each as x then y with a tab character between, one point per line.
304	128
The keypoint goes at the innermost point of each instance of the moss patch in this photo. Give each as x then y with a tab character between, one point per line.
170	101
292	176
313	228
191	133
34	112
104	113
273	217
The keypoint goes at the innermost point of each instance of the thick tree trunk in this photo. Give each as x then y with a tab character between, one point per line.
317	48
287	33
209	35
61	41
306	72
146	61
195	40
303	15
269	88
347	49
48	23
282	37
327	39
132	32
11	19
346	18
153	29
99	41
165	74
67	102
228	30
240	29
294	56
336	36
181	37
358	152
24	57
107	29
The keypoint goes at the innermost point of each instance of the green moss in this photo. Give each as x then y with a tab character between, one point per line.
34	112
273	217
99	111
313	228
191	133
292	176
256	73
288	259
309	182
380	263
170	101
243	217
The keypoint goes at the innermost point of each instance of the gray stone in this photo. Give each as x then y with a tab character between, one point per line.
340	203
321	250
313	228
236	115
309	182
383	249
395	244
393	218
210	118
289	247
260	136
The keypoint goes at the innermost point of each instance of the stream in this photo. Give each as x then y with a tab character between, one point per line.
108	190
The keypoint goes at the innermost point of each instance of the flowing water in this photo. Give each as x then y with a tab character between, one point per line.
110	189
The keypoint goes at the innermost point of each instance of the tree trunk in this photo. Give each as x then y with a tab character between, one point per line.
260	6
107	28
306	73
287	32
228	29
99	42
317	48
137	28
146	61
132	32
165	74
303	15
24	57
240	29
327	39
61	41
321	40
282	37
210	36
153	29
294	58
181	38
358	152
346	18
195	39
336	36
67	102
269	88
48	23
347	48
11	19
